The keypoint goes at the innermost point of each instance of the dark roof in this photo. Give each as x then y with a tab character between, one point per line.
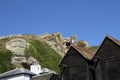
16	72
110	38
113	39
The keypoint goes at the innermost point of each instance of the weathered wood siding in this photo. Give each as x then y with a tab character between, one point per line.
108	49
108	69
76	66
108	66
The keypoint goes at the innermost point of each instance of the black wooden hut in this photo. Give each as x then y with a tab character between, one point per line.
107	60
77	64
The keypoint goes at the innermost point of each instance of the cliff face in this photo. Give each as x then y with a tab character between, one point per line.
18	48
24	49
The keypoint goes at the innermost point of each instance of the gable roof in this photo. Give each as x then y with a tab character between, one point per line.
113	39
110	38
84	52
16	72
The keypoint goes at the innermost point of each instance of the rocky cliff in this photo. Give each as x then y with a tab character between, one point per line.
21	50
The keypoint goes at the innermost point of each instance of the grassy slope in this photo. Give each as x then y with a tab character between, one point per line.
5	59
45	54
40	50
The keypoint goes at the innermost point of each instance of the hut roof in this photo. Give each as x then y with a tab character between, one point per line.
113	39
117	42
84	52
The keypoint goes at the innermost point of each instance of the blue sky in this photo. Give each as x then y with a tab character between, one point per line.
89	20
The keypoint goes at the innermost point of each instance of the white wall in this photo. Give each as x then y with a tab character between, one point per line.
17	77
35	68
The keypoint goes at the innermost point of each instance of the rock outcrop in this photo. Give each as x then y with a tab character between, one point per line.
18	47
57	42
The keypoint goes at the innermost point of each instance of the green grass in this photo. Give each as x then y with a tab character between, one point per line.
5	59
44	54
93	48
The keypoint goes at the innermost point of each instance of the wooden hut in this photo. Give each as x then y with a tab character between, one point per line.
77	64
107	60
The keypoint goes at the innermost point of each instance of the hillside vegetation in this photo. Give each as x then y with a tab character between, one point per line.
47	57
44	54
5	58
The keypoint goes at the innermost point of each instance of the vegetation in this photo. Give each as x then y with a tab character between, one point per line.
81	43
93	48
44	54
3	42
38	49
5	59
84	45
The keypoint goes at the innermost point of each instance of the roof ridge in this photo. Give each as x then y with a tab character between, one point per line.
84	52
113	39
